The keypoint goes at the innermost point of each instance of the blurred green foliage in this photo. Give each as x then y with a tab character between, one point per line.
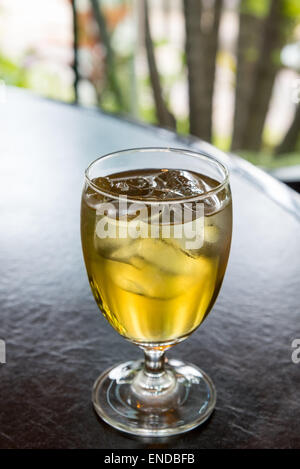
257	8
267	160
12	73
291	8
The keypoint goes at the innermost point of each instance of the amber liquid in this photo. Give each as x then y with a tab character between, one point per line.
154	290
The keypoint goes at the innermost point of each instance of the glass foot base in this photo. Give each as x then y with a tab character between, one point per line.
187	403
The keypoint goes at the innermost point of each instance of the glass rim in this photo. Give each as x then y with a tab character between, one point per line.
193	153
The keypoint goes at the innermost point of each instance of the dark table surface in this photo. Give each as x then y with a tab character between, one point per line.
57	342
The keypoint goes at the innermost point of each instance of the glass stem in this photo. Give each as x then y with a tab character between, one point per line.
154	362
153	379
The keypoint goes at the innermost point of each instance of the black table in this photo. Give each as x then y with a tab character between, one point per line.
57	342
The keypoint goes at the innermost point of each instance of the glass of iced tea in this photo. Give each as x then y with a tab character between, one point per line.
156	231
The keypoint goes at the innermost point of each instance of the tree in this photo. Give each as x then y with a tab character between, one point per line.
164	116
201	49
264	29
110	56
249	43
75	50
267	67
211	42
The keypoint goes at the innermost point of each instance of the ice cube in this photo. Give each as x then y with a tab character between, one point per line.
134	186
115	237
146	280
212	231
187	236
211	234
110	234
166	257
174	183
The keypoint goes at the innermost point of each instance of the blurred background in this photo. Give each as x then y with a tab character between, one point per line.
227	71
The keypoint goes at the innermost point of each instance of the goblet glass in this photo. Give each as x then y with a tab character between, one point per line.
156	231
